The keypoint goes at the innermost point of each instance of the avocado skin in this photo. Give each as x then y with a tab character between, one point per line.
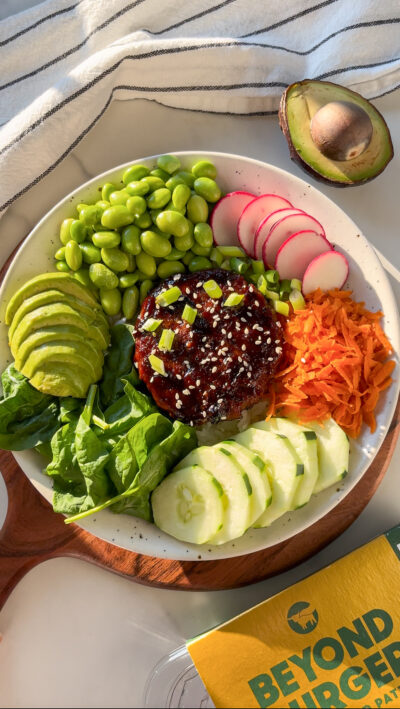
302	163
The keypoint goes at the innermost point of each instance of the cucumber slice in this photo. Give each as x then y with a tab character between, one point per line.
304	441
235	484
256	469
188	505
285	469
333	453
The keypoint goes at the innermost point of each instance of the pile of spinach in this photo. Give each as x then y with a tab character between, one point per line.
110	451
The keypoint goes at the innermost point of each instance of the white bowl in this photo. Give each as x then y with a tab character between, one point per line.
367	280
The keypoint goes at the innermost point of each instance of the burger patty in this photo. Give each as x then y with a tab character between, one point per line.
221	364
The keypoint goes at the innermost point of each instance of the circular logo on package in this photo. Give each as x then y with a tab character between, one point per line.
302	618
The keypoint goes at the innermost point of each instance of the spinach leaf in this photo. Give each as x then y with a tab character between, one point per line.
127	410
70	409
27	416
118	362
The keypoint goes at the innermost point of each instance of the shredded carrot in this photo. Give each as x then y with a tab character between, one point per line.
335	364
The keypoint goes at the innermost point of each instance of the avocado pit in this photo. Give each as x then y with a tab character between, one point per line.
341	130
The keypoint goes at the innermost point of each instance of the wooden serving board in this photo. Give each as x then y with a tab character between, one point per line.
33	533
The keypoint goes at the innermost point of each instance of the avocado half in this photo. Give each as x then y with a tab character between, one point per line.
346	125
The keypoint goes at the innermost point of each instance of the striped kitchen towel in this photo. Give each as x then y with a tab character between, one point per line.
63	62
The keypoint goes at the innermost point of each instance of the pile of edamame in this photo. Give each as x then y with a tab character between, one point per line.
151	226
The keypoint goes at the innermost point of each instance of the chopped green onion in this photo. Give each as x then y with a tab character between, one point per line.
169	296
157	364
216	256
296	284
272	277
284	286
262	284
258	267
297	300
271	294
231	251
234	299
151	324
189	314
281	307
253	278
226	265
212	289
238	265
100	423
166	340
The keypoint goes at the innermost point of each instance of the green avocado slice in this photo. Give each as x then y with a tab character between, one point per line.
299	104
50	334
61	379
46	281
65	353
63	348
59	314
46	298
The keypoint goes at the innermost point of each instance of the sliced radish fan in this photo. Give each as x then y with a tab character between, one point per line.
225	216
297	251
326	271
267	224
283	229
253	214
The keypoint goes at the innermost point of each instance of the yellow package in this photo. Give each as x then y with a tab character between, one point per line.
331	640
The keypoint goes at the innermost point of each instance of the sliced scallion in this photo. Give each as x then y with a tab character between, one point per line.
231	251
189	314
212	289
151	324
262	284
281	307
296	284
234	299
257	267
166	340
168	296
216	256
238	265
157	365
297	300
271	295
272	277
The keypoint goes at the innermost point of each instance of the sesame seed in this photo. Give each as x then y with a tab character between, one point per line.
177	276
246	330
278	350
251	289
228	371
258	342
240	359
198	306
204	339
219	401
191	386
198	382
212	386
178	376
195	296
199	284
243	319
277	342
223	331
232	289
303	359
204	414
215	323
214	359
214	369
244	348
229	283
270	359
229	335
257	302
177	396
186	392
178	404
249	375
269	341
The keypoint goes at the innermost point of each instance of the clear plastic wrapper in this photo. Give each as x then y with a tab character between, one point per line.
175	682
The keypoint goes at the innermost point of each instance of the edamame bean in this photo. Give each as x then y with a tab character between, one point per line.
186	176
174	181
175	255
199	263
172	223
170	268
106	239
169	163
65	231
136	172
119	197
146	264
204	168
203	234
110	299
130	240
77	231
197	209
102	204
81	206
106	191
130	302
154	244
201	250
131	267
159	198
181	196
90	253
90	215
73	255
60	254
160	173
102	277
154	183
136	205
62	266
115	259
116	217
83	277
128	279
171	206
207	188
183	243
154	214
138	188
144	221
145	287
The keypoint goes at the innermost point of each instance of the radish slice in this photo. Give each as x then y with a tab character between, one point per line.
326	271
225	216
266	225
298	251
285	228
253	214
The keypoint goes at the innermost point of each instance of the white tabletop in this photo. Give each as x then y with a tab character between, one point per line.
74	635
